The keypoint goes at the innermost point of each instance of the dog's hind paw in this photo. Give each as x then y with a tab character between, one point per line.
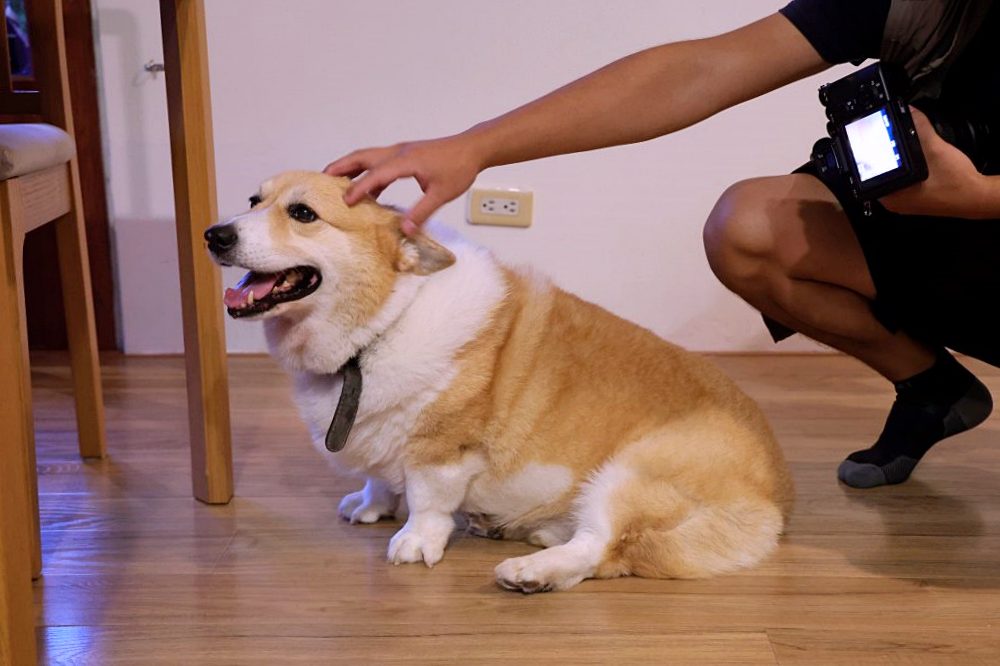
557	568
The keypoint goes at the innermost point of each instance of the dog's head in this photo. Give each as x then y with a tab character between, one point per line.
307	251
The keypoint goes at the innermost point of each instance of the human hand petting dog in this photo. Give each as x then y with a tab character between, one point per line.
444	168
953	187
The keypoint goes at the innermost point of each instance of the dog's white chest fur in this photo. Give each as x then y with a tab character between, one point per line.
378	435
408	366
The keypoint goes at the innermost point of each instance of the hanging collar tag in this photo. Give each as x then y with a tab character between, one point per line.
347	407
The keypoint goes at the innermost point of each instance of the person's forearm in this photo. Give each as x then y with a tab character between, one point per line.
645	95
649	94
988	205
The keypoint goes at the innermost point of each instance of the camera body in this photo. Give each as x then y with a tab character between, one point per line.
873	142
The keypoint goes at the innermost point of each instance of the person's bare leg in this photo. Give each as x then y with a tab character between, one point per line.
786	247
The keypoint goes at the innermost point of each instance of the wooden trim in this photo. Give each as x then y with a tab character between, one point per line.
24	83
20	102
20	118
82	69
185	56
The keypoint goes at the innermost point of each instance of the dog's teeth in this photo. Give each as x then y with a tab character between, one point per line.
250	298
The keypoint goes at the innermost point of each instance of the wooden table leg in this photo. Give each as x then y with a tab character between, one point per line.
193	156
17	616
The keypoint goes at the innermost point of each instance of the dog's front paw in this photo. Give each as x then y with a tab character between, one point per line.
369	505
409	545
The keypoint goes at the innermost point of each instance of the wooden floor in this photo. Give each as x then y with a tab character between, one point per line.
137	572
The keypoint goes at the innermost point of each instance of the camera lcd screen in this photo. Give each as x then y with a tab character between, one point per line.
873	143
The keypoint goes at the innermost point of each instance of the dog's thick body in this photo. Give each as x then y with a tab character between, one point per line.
491	392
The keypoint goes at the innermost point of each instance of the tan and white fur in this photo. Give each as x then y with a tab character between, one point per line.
490	392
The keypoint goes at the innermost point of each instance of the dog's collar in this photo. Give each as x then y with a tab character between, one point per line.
347	407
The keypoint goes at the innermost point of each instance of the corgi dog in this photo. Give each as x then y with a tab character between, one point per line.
487	391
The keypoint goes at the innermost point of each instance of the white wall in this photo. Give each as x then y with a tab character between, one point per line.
299	82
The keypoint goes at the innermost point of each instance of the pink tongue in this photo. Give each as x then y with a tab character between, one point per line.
260	284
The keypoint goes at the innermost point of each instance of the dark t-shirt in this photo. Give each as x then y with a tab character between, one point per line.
935	276
851	31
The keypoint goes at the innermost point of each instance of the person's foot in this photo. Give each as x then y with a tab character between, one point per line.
940	402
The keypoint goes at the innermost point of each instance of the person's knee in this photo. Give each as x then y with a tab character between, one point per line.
739	235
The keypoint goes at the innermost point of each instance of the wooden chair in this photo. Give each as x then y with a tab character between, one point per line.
39	184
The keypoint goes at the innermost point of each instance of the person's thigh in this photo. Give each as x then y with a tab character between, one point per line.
790	224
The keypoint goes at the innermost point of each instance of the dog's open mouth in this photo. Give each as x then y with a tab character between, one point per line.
259	292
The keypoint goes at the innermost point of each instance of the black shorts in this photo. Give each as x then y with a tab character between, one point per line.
937	278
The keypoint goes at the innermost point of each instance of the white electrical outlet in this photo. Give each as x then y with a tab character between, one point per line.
498	206
506	208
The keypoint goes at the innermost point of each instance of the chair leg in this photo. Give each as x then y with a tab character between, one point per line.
22	375
17	634
74	271
30	467
35	525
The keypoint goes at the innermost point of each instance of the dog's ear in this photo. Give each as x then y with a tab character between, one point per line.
422	255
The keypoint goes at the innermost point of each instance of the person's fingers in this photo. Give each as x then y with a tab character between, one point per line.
375	180
923	124
351	173
350	165
408	227
423	209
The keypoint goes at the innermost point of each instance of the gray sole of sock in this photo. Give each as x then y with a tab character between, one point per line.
867	475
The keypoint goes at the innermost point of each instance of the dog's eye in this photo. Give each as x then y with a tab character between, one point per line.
302	213
254	200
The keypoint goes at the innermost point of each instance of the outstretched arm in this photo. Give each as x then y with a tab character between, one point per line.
642	96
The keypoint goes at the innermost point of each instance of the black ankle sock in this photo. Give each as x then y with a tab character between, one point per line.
943	400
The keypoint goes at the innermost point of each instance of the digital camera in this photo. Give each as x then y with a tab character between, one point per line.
873	142
872	138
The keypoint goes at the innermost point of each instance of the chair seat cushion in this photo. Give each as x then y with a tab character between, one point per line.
29	147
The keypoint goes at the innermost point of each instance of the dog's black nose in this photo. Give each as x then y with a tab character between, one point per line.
221	238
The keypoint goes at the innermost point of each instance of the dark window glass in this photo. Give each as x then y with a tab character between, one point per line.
18	42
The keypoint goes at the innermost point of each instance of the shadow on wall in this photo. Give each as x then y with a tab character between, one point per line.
720	314
123	27
152	292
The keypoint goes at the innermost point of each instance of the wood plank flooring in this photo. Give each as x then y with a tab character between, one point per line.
138	572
